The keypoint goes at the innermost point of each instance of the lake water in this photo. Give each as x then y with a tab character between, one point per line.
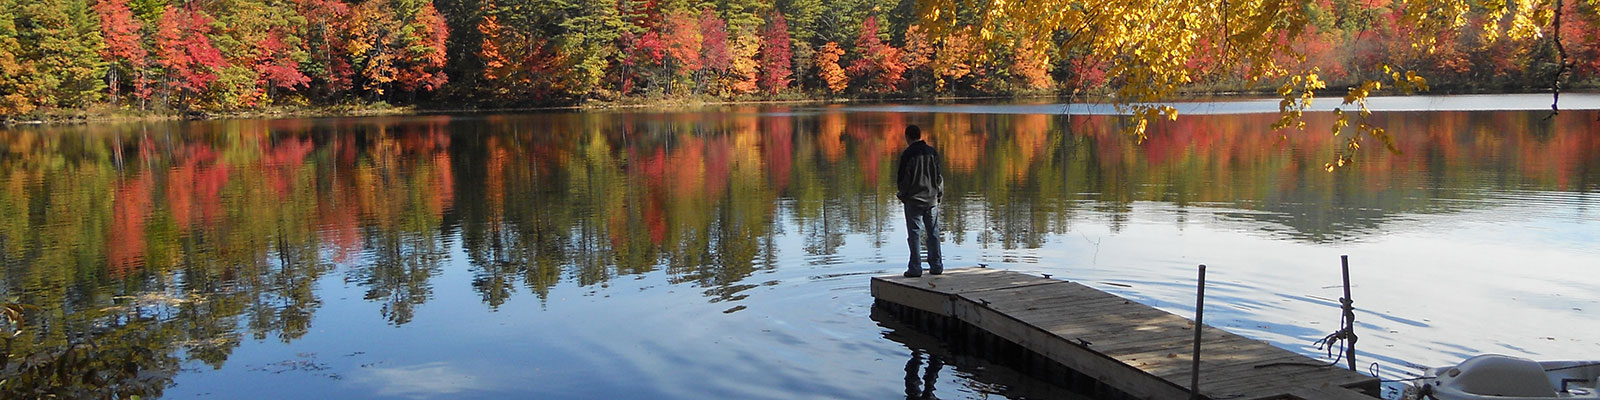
726	253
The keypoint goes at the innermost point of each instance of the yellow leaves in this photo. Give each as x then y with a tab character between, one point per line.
1139	129
1420	82
1297	94
1315	82
1407	82
1336	164
1340	122
1414	82
1357	96
1528	19
741	76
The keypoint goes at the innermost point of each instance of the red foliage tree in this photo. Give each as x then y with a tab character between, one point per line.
1580	34
1087	74
639	52
183	47
496	62
714	42
651	48
121	33
776	56
879	64
325	20
276	66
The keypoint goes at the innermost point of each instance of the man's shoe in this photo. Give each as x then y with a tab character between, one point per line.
936	271
912	274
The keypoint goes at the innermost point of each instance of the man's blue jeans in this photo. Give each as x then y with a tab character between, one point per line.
923	222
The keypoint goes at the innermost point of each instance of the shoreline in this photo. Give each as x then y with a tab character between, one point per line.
103	115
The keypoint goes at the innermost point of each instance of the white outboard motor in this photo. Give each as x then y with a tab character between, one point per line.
1499	377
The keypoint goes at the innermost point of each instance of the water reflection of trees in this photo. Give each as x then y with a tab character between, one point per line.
138	244
151	242
595	197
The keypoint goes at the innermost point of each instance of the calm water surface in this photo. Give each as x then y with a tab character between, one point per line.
726	253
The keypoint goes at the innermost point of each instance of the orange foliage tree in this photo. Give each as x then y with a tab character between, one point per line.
955	58
683	41
517	64
918	57
828	67
1030	63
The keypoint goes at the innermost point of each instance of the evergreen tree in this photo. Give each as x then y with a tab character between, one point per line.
64	37
462	63
802	16
588	34
743	15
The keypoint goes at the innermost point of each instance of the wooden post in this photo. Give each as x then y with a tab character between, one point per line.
1349	315
1199	312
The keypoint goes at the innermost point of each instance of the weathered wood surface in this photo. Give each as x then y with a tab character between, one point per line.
1143	351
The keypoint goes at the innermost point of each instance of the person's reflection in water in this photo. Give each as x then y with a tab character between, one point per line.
922	388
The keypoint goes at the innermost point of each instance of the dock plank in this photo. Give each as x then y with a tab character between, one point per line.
1141	350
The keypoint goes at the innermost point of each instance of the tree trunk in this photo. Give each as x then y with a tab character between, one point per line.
111	75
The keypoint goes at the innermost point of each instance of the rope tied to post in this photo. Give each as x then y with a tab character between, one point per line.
1345	337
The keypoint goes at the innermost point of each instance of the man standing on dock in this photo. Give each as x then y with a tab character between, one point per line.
921	188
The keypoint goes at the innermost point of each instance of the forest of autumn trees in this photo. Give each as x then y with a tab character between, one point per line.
249	54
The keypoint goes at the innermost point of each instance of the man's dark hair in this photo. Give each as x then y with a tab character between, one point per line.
913	132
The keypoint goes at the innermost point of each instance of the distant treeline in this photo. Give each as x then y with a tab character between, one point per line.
222	55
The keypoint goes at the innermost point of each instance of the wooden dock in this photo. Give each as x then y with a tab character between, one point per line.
1139	350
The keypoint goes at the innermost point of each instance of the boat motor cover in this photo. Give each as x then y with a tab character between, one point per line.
1498	375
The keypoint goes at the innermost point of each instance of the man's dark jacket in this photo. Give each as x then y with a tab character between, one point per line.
918	176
